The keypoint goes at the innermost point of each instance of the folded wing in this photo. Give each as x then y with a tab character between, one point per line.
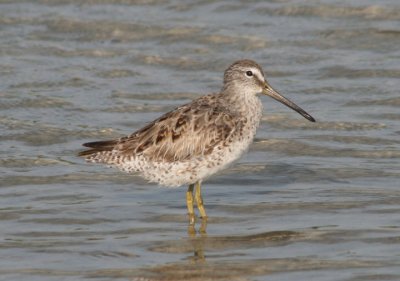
192	130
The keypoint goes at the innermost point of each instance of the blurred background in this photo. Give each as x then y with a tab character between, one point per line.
310	201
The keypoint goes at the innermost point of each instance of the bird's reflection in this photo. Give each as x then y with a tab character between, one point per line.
198	238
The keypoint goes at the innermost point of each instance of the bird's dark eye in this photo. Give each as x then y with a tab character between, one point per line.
249	73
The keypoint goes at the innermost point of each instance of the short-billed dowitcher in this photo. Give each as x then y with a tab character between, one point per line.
198	139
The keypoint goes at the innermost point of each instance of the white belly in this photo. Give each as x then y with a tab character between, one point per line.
190	171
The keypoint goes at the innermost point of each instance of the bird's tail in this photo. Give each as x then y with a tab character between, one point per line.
100	151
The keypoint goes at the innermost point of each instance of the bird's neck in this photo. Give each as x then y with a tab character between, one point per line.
245	104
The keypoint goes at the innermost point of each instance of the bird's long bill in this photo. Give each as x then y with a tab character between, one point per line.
269	91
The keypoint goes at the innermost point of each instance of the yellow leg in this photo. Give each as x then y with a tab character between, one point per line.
189	203
203	227
199	201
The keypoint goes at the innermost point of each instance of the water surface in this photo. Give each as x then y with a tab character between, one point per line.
310	201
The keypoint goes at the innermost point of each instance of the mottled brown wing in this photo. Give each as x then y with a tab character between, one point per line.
188	131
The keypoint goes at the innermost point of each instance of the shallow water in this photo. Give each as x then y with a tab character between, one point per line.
310	201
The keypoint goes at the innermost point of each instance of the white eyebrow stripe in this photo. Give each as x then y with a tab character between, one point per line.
258	74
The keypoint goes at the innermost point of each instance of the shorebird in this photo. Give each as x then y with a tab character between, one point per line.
196	140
